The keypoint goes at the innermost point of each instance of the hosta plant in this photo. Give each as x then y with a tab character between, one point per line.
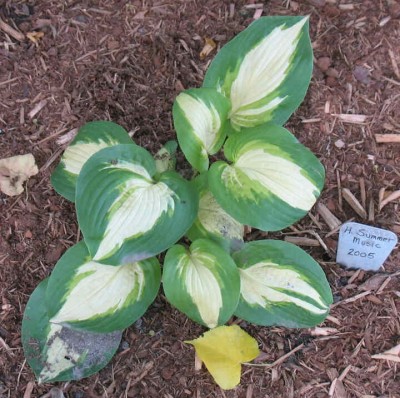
131	207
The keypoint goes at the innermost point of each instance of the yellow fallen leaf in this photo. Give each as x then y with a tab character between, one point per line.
222	350
15	171
209	46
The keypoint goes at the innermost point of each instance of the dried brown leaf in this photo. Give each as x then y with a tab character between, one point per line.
14	171
209	46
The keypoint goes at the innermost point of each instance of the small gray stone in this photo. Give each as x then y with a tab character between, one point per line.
361	74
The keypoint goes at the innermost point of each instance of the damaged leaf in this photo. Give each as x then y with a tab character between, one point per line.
14	171
58	353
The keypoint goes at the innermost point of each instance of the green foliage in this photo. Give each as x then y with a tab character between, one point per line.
202	281
132	206
59	353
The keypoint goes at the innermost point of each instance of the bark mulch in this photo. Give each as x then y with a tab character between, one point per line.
126	61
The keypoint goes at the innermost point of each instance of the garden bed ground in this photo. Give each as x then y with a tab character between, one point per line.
125	61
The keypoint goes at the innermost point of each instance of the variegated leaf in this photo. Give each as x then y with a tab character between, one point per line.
264	71
91	138
202	282
273	180
126	211
281	285
86	295
213	222
200	116
57	353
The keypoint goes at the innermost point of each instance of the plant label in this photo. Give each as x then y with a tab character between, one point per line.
364	247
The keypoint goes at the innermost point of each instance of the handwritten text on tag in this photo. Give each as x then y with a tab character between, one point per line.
365	247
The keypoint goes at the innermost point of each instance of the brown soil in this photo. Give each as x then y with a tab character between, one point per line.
126	61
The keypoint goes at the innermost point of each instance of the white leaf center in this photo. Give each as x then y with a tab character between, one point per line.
216	220
56	356
76	155
259	284
263	70
203	287
103	288
203	118
280	176
135	211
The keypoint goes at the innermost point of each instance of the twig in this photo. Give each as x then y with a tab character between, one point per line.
384	284
351	299
346	7
315	120
144	373
354	277
395	82
334	231
394	63
29	389
302	241
333	320
256	5
313	233
37	109
371	210
328	217
354	203
321	242
68	137
339	187
9	81
315	221
11	31
344	373
52	159
350	118
316	331
390	198
363	193
387	138
6	346
57	133
278	361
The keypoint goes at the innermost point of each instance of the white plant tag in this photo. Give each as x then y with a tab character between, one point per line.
364	247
